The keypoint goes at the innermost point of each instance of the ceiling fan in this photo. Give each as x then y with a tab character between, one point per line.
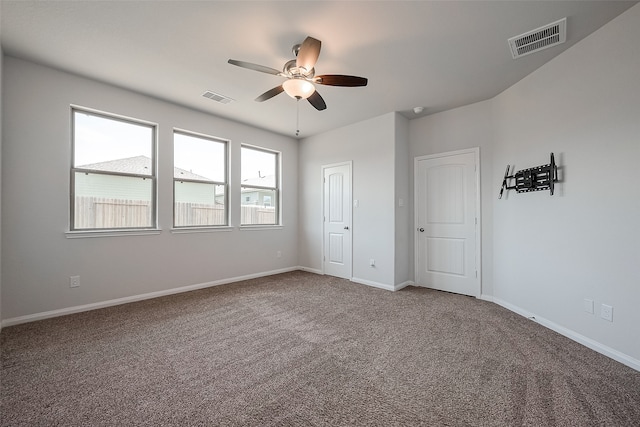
300	75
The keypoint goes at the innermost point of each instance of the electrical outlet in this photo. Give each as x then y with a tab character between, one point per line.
588	305
372	262
74	281
606	312
279	254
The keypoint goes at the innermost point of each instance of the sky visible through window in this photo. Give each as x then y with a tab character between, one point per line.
258	164
201	156
99	139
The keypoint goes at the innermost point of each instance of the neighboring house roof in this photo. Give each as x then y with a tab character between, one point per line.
140	165
262	181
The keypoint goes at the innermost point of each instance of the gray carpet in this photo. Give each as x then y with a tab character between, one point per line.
303	349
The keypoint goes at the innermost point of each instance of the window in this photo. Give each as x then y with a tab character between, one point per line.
199	180
113	176
259	187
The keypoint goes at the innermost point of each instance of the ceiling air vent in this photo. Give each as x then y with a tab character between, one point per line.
217	97
538	39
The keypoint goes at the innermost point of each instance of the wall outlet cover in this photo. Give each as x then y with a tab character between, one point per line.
74	281
606	312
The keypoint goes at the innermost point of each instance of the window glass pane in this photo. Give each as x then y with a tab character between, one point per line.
112	145
198	204
112	201
258	168
258	206
198	158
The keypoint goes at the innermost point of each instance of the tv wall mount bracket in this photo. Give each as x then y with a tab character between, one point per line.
533	179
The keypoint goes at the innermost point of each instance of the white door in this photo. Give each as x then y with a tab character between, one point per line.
337	220
447	220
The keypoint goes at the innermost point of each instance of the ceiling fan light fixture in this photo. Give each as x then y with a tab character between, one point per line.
298	88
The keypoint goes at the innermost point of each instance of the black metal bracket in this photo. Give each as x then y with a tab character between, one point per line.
532	179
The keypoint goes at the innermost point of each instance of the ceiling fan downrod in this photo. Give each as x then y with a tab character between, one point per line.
297	116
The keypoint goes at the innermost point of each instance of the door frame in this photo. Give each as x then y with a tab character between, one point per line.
478	260
322	170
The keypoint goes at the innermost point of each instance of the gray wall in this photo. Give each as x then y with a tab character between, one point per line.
550	253
38	258
371	146
543	255
403	203
1	138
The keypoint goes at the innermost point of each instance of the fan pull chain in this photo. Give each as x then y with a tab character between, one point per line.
297	116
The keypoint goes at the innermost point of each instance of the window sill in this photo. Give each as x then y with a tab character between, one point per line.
110	233
260	227
187	230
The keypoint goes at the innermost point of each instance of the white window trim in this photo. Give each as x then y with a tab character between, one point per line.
257	227
82	234
209	227
202	229
111	232
277	189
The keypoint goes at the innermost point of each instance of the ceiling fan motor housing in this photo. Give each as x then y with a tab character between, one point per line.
291	69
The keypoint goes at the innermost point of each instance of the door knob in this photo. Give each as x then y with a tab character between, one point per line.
346	227
421	230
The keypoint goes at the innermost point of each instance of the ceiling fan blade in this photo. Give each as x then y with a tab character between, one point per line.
316	100
308	53
254	67
270	93
341	80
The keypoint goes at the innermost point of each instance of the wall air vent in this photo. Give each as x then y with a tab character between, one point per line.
539	39
217	97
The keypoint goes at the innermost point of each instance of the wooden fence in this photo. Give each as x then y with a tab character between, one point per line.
94	212
198	214
258	215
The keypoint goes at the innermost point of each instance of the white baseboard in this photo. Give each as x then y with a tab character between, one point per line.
310	270
403	285
94	306
587	342
364	281
379	285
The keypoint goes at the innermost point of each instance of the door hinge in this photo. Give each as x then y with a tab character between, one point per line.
476	274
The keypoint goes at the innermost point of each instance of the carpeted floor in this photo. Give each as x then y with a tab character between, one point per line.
304	349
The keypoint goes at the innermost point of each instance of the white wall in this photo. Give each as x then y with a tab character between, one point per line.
1	102
371	146
465	127
552	252
543	255
38	259
403	203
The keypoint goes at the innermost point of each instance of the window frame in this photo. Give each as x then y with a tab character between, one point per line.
225	184
73	170
276	189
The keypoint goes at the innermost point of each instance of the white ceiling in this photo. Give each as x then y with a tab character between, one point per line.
437	55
